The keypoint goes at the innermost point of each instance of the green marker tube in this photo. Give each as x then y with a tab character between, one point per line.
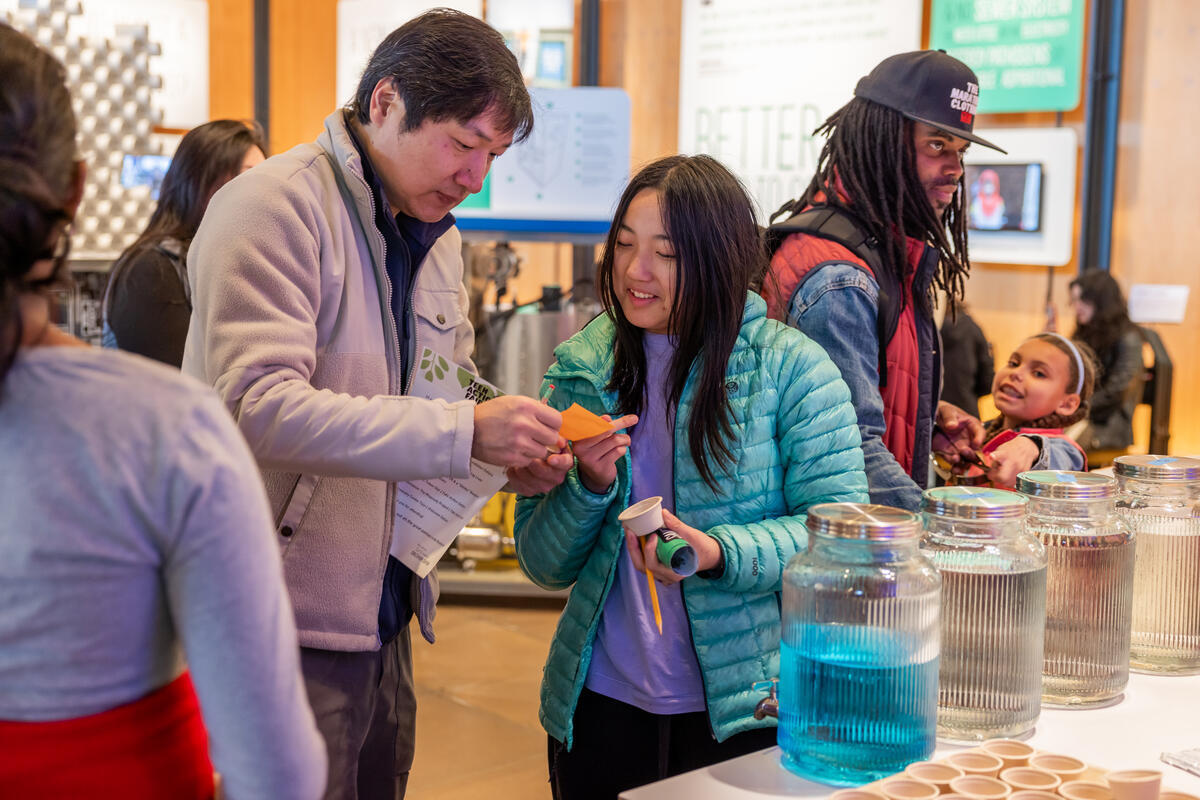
674	551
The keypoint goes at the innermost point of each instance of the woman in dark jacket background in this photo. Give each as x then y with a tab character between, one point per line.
1102	322
148	302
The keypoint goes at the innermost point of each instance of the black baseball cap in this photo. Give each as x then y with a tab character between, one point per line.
928	86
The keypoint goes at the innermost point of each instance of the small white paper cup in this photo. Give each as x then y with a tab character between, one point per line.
644	517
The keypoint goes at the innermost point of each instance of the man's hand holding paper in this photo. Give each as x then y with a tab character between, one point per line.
513	431
596	444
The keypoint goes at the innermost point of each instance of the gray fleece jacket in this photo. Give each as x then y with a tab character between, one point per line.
292	325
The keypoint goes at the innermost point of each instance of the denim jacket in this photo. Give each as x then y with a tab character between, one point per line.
837	307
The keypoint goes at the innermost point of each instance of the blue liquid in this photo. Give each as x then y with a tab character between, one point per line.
855	704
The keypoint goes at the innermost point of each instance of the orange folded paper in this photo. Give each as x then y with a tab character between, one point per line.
579	423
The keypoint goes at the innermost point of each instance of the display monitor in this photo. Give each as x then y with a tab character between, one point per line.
144	169
1004	197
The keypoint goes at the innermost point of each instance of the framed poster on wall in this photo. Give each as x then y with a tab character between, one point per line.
757	77
1028	55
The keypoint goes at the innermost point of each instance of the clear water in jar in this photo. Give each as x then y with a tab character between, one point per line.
1166	594
860	702
990	674
1089	594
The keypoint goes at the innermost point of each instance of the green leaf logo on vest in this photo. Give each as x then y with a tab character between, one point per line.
433	365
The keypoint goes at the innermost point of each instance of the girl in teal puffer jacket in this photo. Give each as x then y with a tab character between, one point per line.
740	423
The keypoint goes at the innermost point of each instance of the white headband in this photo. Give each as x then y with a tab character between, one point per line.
1075	352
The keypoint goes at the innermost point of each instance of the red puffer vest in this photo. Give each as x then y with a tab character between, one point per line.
800	254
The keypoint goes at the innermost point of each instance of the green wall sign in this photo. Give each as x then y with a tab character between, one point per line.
1028	54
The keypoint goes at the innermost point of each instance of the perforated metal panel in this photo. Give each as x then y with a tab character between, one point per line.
110	83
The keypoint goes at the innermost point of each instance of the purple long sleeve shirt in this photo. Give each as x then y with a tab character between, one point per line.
631	662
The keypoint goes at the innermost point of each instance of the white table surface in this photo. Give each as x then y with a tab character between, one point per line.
1157	714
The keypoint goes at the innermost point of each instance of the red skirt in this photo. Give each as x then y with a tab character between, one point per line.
152	748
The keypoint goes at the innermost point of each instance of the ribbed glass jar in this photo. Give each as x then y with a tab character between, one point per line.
1089	585
858	665
993	612
1159	498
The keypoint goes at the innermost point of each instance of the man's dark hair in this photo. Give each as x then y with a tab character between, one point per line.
868	167
719	257
448	66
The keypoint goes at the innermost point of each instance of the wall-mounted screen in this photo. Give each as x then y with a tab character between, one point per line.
144	169
1004	197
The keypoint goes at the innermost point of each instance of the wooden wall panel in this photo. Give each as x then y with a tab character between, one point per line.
303	69
231	59
639	51
1155	234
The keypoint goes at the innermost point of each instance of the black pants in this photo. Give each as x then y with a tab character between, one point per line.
618	746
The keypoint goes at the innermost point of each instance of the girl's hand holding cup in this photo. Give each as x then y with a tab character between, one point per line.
643	553
597	456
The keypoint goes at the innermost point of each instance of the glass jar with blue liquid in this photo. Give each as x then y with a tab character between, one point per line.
858	685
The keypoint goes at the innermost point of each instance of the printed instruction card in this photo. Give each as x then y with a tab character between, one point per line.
430	513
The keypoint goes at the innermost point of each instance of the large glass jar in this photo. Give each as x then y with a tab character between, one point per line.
993	612
1159	498
858	667
1089	585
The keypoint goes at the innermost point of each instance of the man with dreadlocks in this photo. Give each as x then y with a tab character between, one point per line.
892	168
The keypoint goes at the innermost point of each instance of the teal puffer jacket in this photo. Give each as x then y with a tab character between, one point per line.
796	444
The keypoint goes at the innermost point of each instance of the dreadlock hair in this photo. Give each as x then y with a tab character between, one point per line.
719	257
1086	387
868	168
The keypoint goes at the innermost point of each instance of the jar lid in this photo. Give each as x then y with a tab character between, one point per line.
870	522
1163	468
1065	485
970	502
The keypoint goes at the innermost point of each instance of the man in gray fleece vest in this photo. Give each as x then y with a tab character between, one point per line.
316	276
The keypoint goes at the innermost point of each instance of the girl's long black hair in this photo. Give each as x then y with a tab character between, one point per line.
719	257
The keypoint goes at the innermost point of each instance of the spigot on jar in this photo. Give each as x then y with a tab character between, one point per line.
769	705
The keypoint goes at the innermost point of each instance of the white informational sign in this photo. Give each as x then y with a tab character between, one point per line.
429	514
757	77
1056	150
179	27
363	24
1157	302
566	177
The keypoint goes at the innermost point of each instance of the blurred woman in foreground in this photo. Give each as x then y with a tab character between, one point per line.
135	531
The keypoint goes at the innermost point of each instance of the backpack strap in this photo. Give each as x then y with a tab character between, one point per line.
842	227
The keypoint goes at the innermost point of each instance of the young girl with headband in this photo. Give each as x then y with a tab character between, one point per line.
1044	387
